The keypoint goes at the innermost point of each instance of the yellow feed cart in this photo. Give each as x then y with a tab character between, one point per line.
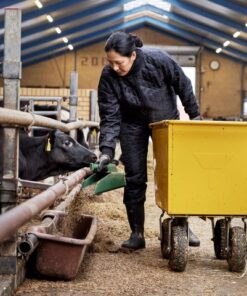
201	170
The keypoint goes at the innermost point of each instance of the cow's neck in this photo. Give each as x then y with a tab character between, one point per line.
38	164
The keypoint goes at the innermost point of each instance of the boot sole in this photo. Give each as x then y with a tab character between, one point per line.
194	244
132	249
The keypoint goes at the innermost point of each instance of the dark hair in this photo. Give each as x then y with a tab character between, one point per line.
123	43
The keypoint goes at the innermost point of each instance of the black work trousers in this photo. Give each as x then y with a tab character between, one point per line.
134	139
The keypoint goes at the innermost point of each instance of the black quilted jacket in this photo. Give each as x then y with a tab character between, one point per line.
146	94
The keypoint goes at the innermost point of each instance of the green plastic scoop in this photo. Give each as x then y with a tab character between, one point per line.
109	180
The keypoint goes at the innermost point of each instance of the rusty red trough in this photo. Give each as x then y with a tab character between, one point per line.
60	256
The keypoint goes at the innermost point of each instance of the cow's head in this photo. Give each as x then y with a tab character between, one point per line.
67	153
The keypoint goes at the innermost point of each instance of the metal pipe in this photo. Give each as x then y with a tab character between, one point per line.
94	116
73	100
10	135
29	241
28	244
13	219
34	184
63	205
94	112
14	117
36	98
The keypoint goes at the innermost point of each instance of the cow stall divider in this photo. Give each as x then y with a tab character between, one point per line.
24	119
11	220
29	241
9	152
11	119
32	104
58	256
93	134
73	100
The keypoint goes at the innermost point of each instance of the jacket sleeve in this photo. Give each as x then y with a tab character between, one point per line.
109	111
182	87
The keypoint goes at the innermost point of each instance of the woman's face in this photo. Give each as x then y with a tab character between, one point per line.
120	64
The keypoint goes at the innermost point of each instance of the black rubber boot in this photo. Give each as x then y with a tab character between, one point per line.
135	215
193	239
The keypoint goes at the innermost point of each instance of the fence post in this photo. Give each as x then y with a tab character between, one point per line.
73	100
9	136
94	116
94	111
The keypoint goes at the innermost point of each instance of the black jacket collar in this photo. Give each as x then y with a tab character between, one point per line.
138	62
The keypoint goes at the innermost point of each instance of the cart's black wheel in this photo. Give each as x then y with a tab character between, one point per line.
220	239
164	240
179	248
236	255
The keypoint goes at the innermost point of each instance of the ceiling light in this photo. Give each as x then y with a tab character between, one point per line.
38	3
58	30
70	47
65	40
236	34
218	50
50	18
245	24
226	43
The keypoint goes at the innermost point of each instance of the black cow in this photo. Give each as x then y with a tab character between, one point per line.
51	155
54	154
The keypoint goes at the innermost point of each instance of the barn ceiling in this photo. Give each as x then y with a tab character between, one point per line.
59	26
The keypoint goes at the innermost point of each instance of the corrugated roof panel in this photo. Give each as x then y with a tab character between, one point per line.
205	22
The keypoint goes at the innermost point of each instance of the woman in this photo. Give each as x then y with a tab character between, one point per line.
139	86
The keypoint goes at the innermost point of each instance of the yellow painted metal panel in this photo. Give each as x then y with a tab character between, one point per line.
160	163
202	168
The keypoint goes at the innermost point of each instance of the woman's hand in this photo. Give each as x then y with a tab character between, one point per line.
104	160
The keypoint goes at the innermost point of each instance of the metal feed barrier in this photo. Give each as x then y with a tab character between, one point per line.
12	217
